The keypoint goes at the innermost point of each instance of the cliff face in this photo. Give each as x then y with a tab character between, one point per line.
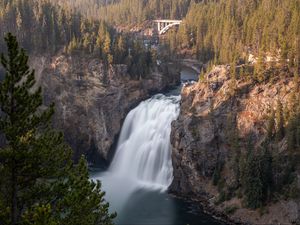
91	101
200	140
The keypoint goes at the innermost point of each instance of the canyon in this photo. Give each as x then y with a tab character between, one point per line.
91	100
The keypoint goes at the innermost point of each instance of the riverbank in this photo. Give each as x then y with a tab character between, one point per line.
205	207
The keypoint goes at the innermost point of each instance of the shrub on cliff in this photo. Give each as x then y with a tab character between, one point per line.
39	183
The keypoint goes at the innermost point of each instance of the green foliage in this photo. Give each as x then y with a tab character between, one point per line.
279	121
127	11
283	173
229	210
241	27
39	182
201	76
217	173
292	191
83	203
233	72
232	136
293	123
42	26
257	178
221	197
136	11
39	215
252	183
259	69
271	125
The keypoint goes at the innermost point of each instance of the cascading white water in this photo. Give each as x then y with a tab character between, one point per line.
143	151
143	155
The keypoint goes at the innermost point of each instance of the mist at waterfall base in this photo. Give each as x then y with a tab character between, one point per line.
141	170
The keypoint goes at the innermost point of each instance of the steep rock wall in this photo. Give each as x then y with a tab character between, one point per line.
200	140
91	101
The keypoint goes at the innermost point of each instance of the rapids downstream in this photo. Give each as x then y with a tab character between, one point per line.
141	170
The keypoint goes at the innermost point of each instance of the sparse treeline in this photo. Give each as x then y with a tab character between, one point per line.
129	11
42	27
133	11
227	30
39	25
88	8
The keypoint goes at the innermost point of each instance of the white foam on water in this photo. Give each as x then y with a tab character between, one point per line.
143	155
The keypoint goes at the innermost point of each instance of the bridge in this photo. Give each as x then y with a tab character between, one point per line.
164	25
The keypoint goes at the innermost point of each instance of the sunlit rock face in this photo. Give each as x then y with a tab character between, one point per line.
200	138
91	101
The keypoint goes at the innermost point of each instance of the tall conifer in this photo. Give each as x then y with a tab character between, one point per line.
39	183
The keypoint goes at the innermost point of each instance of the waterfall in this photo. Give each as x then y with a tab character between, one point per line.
143	151
143	155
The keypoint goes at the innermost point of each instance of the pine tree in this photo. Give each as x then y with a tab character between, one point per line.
271	125
253	186
259	68
201	76
107	44
233	74
38	179
92	206
266	172
73	45
279	121
100	38
291	133
120	50
233	141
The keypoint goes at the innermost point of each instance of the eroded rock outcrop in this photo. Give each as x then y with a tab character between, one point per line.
200	140
91	101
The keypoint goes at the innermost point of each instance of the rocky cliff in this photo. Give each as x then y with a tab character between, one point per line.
201	140
91	101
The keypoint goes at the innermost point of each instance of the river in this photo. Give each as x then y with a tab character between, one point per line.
141	171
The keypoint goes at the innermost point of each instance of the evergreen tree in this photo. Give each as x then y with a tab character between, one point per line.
291	133
253	186
259	69
271	125
233	74
39	183
201	76
257	177
279	121
119	50
83	203
266	172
